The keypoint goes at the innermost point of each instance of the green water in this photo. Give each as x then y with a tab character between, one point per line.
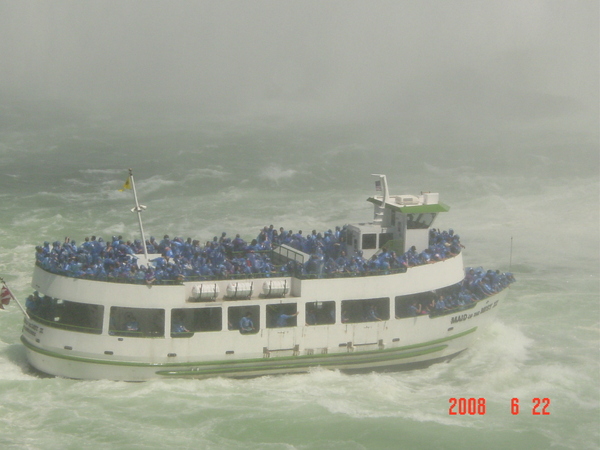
60	175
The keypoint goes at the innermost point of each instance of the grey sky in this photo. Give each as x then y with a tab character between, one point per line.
407	61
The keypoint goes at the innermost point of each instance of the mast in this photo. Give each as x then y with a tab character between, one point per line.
138	209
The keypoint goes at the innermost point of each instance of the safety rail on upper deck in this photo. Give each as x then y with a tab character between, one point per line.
296	273
228	264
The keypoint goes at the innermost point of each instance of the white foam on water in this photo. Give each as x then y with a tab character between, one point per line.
277	173
203	173
107	172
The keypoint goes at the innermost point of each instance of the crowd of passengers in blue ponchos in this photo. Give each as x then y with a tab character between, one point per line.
224	258
477	285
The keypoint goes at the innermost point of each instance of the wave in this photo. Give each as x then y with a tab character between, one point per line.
276	173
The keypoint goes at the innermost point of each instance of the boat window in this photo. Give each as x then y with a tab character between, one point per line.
384	238
369	310
282	315
369	241
185	321
320	313
410	305
419	221
67	315
423	303
237	319
136	322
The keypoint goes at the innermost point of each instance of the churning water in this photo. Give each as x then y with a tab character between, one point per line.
60	171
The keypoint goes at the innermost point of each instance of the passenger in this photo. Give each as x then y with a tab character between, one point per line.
412	257
440	306
166	242
246	324
425	257
414	309
159	262
150	277
224	239
331	267
32	303
373	315
282	319
254	246
450	302
178	326
466	297
140	275
262	236
131	324
238	244
313	265
485	288
271	231
429	308
345	318
311	317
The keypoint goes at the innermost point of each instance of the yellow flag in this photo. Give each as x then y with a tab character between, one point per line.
127	184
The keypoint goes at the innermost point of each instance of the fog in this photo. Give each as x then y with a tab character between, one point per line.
466	67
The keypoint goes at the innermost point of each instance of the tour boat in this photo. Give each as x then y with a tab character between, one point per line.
384	295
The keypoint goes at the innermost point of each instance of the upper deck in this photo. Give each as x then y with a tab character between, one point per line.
415	279
400	237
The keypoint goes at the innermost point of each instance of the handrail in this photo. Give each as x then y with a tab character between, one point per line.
233	277
296	272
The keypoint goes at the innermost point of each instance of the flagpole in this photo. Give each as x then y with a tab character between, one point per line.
14	298
138	208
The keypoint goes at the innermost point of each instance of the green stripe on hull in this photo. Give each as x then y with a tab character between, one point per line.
351	360
318	359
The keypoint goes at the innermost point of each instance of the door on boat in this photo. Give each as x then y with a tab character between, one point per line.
367	319
281	321
282	339
367	333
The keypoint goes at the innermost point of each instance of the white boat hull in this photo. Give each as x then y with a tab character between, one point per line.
453	333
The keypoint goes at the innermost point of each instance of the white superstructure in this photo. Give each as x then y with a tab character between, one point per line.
354	322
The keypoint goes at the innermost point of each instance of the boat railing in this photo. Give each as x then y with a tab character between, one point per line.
353	274
296	272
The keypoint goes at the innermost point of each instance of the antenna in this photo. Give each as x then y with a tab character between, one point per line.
511	250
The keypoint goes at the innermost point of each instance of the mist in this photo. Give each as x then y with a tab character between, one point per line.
416	72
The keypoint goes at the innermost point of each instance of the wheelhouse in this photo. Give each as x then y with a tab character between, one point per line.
400	222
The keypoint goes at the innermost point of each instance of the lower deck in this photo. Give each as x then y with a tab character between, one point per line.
89	329
351	347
